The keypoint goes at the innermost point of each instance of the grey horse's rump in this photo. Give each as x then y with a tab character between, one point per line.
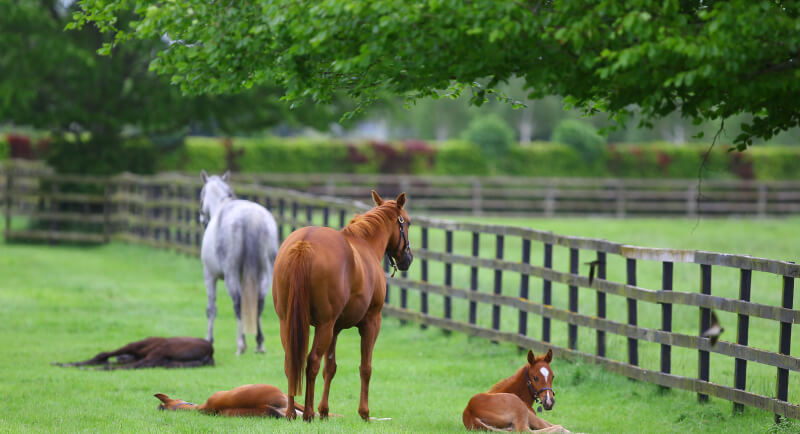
240	244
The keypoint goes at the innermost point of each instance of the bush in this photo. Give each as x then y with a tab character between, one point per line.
581	137
102	157
492	134
549	159
5	149
460	158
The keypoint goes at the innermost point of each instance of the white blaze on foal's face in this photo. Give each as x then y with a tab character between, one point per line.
545	373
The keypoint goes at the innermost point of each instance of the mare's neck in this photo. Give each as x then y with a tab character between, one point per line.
375	237
515	384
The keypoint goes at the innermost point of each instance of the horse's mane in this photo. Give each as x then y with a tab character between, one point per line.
365	225
506	381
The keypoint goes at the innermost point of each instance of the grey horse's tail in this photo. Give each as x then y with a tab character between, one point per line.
251	271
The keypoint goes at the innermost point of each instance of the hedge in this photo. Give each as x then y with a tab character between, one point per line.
458	157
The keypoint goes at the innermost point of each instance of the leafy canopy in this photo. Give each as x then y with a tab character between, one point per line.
708	59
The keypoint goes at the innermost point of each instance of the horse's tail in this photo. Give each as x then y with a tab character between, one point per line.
251	273
297	313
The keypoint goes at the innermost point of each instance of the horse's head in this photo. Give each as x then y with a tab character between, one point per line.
540	378
215	190
399	247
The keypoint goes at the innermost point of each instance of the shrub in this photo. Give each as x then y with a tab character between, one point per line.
581	137
102	157
460	158
5	149
492	134
549	159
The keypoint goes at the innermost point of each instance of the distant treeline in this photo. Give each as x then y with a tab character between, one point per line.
322	155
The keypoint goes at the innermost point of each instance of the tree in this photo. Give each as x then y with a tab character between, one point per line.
708	59
54	80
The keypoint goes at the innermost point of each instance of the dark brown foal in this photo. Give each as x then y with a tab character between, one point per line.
153	352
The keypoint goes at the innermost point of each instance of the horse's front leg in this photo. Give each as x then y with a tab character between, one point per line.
327	374
323	335
368	329
211	309
537	423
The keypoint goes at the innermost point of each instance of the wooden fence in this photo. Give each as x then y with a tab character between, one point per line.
162	211
505	195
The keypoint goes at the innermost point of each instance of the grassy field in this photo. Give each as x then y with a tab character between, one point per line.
67	303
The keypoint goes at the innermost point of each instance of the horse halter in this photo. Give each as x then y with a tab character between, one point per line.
535	393
406	244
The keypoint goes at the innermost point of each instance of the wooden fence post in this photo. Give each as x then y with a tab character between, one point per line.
742	331
281	211
386	270
523	286
294	215
762	201
547	291
342	222
705	323
106	212
423	296
601	303
473	278
498	283
477	202
785	344
448	277
666	317
572	329
633	344
326	211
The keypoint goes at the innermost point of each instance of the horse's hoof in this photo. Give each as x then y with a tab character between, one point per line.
261	349
239	352
308	416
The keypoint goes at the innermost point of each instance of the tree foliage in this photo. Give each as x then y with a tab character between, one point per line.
55	81
708	59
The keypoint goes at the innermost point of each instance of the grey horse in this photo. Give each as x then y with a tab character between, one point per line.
240	244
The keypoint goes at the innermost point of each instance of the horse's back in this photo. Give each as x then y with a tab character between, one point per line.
329	261
242	230
247	396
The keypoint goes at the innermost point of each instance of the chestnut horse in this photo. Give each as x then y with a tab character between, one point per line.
248	400
508	404
333	280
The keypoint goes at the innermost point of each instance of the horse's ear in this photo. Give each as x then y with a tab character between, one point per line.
204	175
164	398
531	357
226	176
376	198
401	200
549	356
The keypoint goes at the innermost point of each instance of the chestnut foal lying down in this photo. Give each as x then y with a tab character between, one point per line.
155	352
508	404
247	400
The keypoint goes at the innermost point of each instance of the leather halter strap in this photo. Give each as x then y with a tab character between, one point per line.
180	404
404	240
535	393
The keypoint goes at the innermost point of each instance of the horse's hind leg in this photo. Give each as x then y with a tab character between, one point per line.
234	287
263	289
323	335
211	309
368	329
327	374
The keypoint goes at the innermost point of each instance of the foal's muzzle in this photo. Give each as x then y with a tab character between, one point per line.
405	262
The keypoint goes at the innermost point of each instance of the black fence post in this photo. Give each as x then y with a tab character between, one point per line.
572	329
547	291
294	215
498	283
742	331
341	219
666	317
310	214
473	278
448	277
281	213
705	323
326	215
523	286
782	386
386	270
633	344
403	295
423	295
601	303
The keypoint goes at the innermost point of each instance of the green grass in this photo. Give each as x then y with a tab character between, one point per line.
67	303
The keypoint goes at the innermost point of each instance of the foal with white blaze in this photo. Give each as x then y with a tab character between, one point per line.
240	244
